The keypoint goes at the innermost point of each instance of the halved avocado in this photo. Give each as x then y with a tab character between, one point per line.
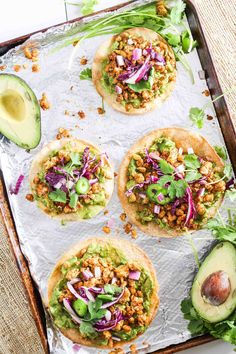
214	288
20	117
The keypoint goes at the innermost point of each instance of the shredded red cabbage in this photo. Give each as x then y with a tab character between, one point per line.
191	207
16	189
104	325
108	304
67	304
230	183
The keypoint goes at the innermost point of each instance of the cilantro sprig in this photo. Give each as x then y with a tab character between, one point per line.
87	6
197	115
223	330
86	74
178	35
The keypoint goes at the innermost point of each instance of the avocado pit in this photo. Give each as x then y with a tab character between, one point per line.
216	288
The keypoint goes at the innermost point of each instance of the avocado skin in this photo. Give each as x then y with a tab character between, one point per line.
31	143
221	258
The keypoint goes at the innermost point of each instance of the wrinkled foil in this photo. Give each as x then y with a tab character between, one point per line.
44	240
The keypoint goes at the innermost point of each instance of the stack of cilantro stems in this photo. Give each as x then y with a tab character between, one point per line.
173	28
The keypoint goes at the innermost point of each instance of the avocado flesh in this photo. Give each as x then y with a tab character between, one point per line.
20	118
221	258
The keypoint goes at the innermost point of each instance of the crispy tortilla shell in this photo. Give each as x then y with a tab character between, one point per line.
132	253
77	146
183	138
102	54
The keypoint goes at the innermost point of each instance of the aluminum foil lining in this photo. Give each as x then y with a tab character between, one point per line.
44	240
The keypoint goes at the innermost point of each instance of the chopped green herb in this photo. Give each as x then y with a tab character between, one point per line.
192	161
165	167
221	151
86	74
58	196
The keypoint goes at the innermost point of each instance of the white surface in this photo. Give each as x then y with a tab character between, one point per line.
21	17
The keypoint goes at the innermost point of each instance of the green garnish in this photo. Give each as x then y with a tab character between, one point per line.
157	194
144	84
223	330
73	200
192	161
82	186
197	114
87	6
165	167
80	307
58	196
86	74
221	151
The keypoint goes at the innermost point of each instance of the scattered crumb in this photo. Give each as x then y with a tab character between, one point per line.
83	61
35	68
206	93
71	88
209	117
81	114
17	68
106	229
115	174
25	66
77	126
27	53
29	197
128	228
31	54
3	67
117	351
63	133
134	234
100	110
133	349
67	113
105	212
75	43
44	103
123	216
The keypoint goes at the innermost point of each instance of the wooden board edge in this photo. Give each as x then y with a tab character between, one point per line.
21	264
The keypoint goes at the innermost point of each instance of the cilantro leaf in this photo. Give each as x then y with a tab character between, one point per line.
188	44
177	12
221	151
58	196
95	311
231	193
86	74
165	167
73	200
173	39
112	289
197	116
144	84
87	330
192	161
88	6
223	232
177	188
192	176
165	179
228	170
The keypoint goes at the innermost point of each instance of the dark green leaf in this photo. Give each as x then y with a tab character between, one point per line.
186	305
86	74
165	179
196	327
58	196
188	44
197	116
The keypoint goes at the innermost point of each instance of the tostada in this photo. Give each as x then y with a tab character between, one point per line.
71	179
134	71
171	182
103	293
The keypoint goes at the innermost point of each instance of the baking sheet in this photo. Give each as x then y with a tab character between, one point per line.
44	240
